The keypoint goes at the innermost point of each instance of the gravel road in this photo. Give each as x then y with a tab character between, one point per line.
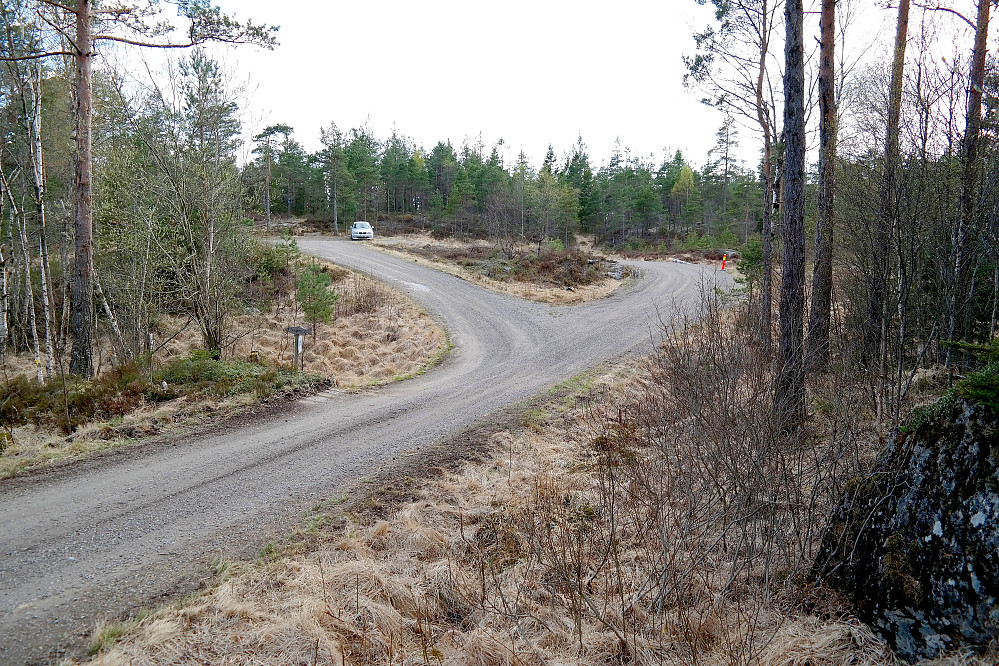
140	525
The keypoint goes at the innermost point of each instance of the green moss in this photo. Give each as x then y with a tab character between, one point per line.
898	570
927	418
982	387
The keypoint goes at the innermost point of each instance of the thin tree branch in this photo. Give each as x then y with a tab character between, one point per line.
36	56
956	13
59	5
187	45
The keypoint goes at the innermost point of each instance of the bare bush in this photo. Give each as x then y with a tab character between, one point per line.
360	295
700	485
694	537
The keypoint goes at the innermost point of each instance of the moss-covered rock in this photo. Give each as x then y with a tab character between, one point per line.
915	546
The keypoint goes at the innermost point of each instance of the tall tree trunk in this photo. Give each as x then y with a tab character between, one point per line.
767	295
336	218
82	356
267	190
65	324
960	293
11	289
46	283
876	329
29	292
789	394
819	315
4	305
4	274
34	117
767	288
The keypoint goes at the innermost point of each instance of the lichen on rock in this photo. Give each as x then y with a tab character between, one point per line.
915	545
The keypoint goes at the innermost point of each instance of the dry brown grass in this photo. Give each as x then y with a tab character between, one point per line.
379	335
499	563
403	246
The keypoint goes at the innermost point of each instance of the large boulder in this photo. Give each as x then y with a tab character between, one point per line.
915	545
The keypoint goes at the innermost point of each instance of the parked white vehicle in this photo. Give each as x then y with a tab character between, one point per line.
361	230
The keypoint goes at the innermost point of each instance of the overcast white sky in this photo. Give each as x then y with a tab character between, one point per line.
529	72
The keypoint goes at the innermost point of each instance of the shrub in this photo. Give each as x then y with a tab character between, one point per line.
360	296
71	402
751	261
568	268
317	298
727	240
635	245
201	372
692	241
697	475
272	260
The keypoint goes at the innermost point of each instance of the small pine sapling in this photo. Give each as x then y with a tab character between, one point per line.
315	295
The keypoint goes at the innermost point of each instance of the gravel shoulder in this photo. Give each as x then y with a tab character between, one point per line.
133	529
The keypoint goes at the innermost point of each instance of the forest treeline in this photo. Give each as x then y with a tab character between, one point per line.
472	191
897	222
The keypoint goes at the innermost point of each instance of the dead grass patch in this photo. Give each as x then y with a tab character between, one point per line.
489	265
378	336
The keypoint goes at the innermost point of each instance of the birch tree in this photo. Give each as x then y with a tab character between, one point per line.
734	65
77	31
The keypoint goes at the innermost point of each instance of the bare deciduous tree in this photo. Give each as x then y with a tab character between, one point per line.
78	27
734	65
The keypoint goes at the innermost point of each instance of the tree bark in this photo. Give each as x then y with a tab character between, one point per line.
789	394
820	313
960	293
877	312
4	306
767	295
336	186
81	359
29	292
38	182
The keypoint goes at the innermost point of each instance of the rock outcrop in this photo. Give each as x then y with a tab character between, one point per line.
915	546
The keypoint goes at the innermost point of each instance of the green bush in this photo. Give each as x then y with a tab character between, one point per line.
317	298
751	260
272	260
71	402
692	241
200	372
635	245
727	240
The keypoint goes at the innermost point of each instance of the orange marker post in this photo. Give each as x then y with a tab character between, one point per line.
723	261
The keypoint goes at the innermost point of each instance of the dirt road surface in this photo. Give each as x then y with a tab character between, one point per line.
133	528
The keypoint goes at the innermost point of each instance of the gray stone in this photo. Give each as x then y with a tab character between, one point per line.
915	545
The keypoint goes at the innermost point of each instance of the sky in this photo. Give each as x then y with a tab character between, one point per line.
531	73
528	72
